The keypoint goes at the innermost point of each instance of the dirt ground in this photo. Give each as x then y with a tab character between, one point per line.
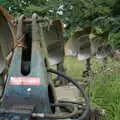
67	92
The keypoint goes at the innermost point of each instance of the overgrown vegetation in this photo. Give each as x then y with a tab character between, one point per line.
102	15
104	85
105	89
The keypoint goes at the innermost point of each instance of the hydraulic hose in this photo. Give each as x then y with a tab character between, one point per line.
58	116
71	104
87	108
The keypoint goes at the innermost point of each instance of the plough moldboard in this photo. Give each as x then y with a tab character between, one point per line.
28	46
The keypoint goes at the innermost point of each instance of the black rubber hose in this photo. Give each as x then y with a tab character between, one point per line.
85	113
45	115
58	116
62	103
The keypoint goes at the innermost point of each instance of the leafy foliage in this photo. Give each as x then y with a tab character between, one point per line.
114	38
16	7
76	14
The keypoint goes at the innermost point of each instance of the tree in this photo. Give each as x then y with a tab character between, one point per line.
16	7
102	15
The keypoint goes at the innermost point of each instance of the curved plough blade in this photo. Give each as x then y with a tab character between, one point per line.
104	51
54	42
6	40
79	45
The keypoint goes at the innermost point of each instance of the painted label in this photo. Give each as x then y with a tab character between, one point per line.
30	81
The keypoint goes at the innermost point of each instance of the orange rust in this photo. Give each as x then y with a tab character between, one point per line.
6	14
10	19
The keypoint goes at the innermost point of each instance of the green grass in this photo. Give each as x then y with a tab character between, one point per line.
105	84
73	67
106	91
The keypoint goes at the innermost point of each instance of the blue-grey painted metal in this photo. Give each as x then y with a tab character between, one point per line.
26	97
